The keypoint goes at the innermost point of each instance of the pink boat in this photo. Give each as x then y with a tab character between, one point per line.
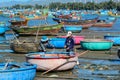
50	60
76	38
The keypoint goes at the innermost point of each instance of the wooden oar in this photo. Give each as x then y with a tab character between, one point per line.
57	67
63	64
5	67
82	53
36	38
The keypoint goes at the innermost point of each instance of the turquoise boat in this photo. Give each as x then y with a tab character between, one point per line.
96	44
72	28
17	71
3	28
114	38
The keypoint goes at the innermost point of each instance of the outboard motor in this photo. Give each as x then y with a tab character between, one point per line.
118	53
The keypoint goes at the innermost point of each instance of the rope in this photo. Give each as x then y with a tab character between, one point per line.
37	35
15	37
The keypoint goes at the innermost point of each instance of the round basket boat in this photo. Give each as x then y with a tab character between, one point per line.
25	47
17	71
114	38
96	44
57	60
56	42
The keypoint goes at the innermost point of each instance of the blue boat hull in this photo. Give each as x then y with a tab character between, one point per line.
2	30
72	28
57	42
114	38
27	72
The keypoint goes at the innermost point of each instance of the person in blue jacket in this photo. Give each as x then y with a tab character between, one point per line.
69	43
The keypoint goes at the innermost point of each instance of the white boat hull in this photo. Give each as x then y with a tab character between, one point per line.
61	63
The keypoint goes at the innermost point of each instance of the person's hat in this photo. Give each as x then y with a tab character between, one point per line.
69	33
44	38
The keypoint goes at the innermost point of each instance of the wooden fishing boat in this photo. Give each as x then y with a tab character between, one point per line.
68	16
18	22
114	14
96	44
72	28
25	46
114	38
55	61
84	23
17	71
41	17
77	39
58	20
43	29
101	23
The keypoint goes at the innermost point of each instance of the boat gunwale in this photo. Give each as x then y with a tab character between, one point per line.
96	40
24	68
30	56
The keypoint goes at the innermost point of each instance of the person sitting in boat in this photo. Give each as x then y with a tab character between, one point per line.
69	43
45	41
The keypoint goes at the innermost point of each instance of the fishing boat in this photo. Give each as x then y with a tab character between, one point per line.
72	28
25	46
103	23
60	18
33	17
113	14
17	71
68	16
18	22
40	30
96	44
84	23
76	38
55	61
114	38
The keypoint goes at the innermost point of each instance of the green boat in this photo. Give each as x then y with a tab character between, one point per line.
96	44
43	29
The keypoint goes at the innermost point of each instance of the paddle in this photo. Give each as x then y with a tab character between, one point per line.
82	53
63	64
6	65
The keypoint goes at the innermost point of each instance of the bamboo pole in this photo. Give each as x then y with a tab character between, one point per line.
82	53
37	35
15	37
57	67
